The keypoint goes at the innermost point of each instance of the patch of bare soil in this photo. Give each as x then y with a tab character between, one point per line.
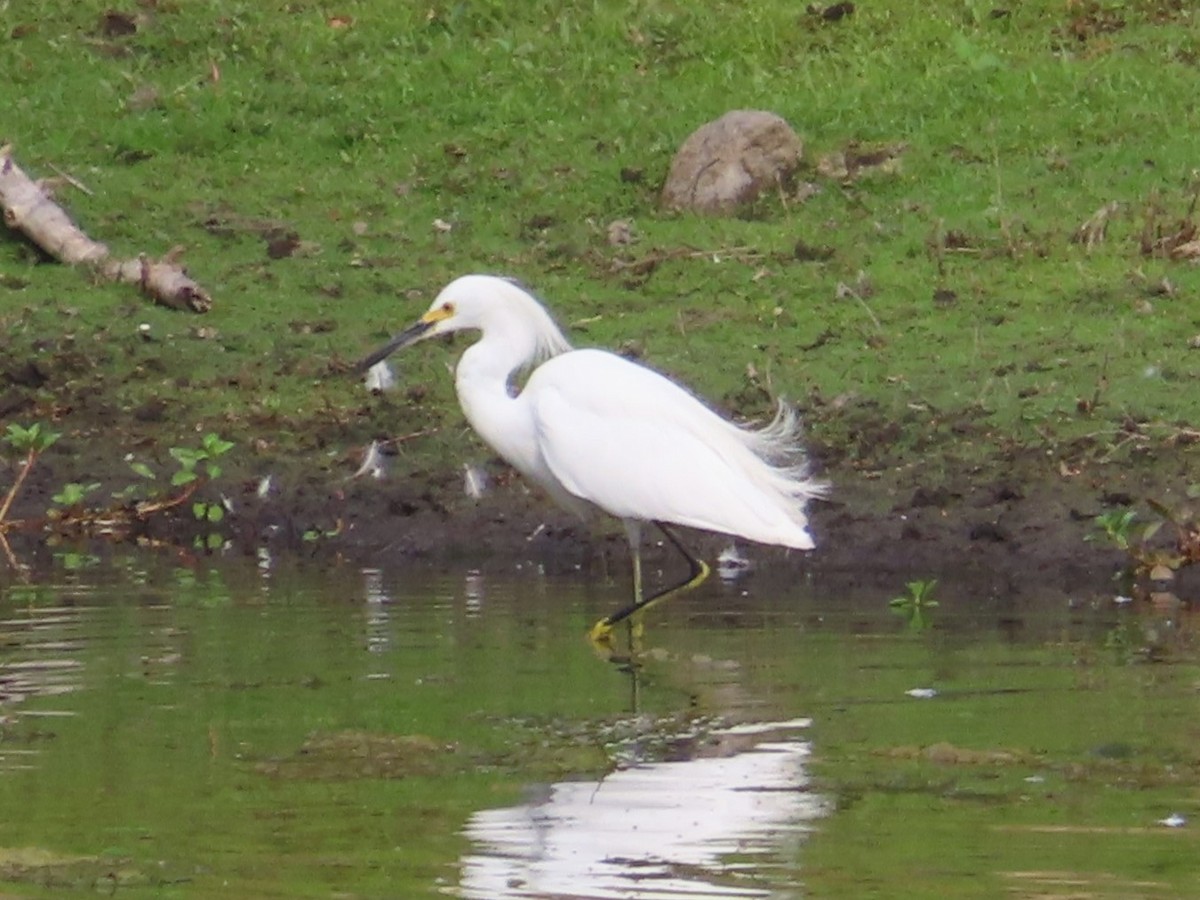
1017	518
1016	522
961	500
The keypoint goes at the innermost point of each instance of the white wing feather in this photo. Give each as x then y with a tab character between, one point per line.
640	447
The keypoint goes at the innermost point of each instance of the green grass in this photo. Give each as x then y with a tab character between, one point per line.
215	126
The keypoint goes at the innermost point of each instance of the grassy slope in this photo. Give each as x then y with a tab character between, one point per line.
513	123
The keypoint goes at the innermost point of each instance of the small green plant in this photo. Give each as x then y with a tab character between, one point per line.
74	493
1159	562
32	441
914	605
196	467
1116	525
194	464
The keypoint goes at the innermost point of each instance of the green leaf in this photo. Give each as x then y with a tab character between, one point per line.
216	512
183	476
140	468
16	436
74	493
186	456
215	445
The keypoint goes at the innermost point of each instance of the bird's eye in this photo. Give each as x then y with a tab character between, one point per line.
448	308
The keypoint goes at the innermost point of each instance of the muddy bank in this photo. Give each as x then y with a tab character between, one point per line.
1019	519
1002	527
912	498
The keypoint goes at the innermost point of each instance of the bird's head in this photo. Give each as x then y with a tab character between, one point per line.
480	303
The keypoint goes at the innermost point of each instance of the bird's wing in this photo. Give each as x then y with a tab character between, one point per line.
640	447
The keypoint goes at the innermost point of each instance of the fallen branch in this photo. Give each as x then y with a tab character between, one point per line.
29	208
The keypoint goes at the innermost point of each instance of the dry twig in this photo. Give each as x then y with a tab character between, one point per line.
1095	229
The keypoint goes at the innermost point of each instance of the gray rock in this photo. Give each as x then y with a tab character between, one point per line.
729	162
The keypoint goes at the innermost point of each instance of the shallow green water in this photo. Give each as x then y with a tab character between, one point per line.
271	731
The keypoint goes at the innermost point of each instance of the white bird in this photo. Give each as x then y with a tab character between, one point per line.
596	430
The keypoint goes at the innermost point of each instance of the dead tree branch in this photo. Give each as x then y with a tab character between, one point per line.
29	208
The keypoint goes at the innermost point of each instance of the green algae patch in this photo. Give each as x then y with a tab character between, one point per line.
357	754
36	867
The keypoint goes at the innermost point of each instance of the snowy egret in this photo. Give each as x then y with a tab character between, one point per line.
596	430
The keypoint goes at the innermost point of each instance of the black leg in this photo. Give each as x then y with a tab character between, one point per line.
698	572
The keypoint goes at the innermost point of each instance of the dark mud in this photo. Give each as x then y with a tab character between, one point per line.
913	497
1006	528
1016	519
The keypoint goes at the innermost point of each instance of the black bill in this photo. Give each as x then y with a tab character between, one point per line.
409	335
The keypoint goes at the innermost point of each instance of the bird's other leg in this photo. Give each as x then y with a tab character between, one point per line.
635	551
698	571
601	633
633	531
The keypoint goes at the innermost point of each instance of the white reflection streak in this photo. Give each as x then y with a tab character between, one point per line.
474	591
732	564
265	563
378	616
655	832
45	642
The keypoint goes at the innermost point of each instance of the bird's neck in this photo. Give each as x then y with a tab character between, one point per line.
489	366
482	380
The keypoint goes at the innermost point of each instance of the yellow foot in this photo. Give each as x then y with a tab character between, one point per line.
601	635
603	642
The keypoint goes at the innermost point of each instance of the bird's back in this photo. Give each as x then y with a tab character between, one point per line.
639	446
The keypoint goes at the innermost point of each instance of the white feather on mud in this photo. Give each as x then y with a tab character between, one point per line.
372	464
379	378
474	481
